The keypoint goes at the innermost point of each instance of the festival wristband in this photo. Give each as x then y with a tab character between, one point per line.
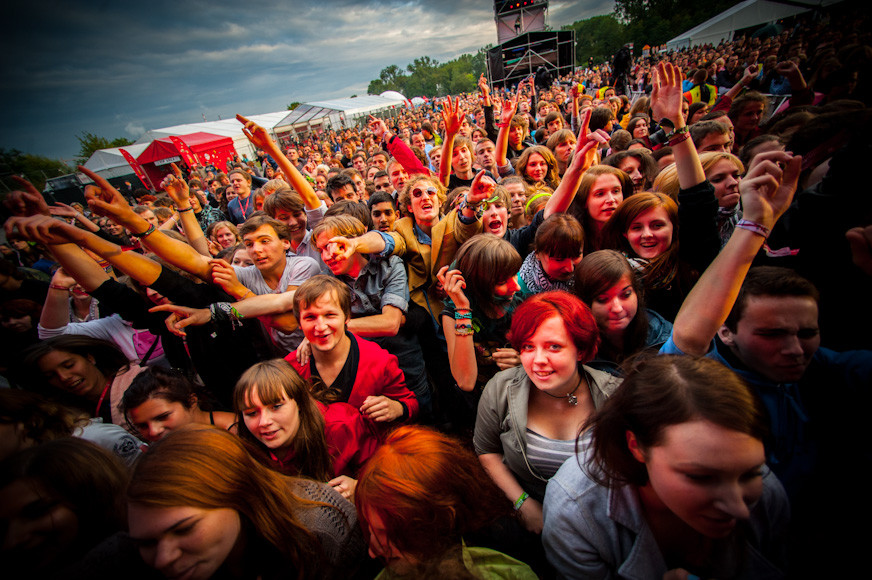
462	315
520	501
680	138
758	229
58	287
151	229
186	209
477	209
677	132
463	330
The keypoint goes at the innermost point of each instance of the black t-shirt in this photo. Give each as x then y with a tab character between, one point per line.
344	382
454	181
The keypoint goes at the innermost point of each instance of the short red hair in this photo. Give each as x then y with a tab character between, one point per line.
428	490
577	318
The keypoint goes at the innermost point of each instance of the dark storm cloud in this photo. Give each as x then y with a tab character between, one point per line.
118	68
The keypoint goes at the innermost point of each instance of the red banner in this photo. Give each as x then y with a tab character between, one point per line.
189	157
146	182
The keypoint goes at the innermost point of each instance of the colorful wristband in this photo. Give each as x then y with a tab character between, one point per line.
147	232
679	139
186	209
758	229
520	501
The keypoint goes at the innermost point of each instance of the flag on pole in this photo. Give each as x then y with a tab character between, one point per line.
137	169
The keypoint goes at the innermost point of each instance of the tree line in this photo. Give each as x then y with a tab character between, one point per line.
641	22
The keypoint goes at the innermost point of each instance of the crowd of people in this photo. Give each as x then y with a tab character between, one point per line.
544	330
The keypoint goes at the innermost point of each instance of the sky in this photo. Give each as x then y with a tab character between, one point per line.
118	69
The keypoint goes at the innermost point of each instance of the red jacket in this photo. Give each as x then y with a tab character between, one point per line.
351	438
377	374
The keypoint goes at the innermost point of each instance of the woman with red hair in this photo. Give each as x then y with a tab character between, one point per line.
417	499
529	416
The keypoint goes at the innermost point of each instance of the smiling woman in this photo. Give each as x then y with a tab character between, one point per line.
684	462
84	372
200	506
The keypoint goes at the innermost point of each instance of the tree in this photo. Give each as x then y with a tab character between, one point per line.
35	168
89	143
294	105
599	37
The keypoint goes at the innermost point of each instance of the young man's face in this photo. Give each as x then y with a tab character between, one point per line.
383	183
359	163
323	323
776	336
398	176
383	216
380	161
345	192
295	220
240	185
485	154
461	159
265	247
330	254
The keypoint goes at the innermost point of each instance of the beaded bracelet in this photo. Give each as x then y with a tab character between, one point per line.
147	232
679	139
186	209
520	501
758	229
677	132
477	210
463	330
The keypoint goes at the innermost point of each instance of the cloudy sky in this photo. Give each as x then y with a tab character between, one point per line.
120	68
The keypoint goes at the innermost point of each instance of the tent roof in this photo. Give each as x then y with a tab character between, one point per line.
110	163
742	15
225	127
163	148
349	108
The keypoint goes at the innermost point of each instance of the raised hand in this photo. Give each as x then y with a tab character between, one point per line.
483	86
44	229
378	127
510	106
767	189
182	316
666	94
584	155
62	210
453	283
105	200
481	189
26	202
451	115
256	134
860	240
176	187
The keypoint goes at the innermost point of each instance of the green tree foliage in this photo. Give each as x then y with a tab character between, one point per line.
599	37
427	77
294	105
89	143
656	21
35	168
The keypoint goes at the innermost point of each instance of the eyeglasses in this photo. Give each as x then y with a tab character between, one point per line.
430	191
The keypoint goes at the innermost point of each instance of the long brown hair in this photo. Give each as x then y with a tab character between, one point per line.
552	178
206	467
273	381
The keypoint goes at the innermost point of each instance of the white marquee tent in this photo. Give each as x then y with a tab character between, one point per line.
742	15
109	163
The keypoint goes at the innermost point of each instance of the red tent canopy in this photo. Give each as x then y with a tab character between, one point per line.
208	149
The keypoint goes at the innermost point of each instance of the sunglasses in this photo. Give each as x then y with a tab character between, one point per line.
430	191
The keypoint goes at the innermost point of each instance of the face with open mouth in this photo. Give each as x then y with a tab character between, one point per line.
274	424
495	219
424	202
615	308
73	373
650	234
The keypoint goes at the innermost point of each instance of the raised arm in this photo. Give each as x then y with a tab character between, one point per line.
177	188
766	194
666	97
451	114
261	139
510	105
583	158
458	334
107	201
